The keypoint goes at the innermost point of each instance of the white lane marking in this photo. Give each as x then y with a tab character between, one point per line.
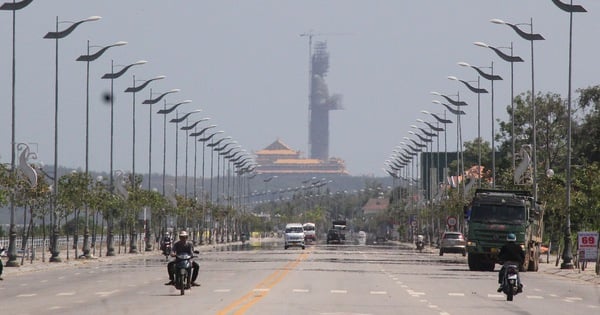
339	291
221	290
456	294
27	295
495	295
593	306
378	292
573	298
414	293
432	306
65	293
56	307
444	313
300	290
106	293
553	295
535	297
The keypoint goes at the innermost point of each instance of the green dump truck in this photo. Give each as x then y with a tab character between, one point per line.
495	213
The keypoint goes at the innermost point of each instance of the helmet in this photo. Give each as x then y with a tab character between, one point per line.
511	237
183	234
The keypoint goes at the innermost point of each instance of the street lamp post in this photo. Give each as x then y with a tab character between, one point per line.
459	146
176	121
187	135
110	251
567	253
491	77
203	140
112	76
151	102
87	59
133	90
511	59
531	37
56	35
12	243
477	90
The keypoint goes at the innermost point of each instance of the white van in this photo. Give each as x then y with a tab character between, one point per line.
310	233
294	235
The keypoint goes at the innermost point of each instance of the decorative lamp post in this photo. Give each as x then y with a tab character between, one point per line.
531	37
151	102
511	59
206	217
477	90
133	90
491	77
56	35
187	135
87	59
12	243
567	253
176	121
112	76
459	143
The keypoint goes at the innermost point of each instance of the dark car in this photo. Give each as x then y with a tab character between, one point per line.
334	236
453	242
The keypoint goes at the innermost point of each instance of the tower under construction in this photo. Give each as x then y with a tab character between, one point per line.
320	102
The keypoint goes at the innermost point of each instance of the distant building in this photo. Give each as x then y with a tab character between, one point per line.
278	158
375	206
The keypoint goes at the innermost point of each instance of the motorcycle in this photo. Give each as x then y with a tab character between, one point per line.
183	272
166	250
511	284
420	243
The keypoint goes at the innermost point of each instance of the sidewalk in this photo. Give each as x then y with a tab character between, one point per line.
39	265
588	275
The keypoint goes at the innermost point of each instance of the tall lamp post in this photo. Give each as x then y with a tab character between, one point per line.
112	76
477	90
511	59
187	135
151	102
442	120
567	253
12	243
491	77
133	90
176	121
87	59
531	37
206	217
56	35
459	142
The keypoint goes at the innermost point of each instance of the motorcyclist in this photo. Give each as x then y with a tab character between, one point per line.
166	241
183	246
511	251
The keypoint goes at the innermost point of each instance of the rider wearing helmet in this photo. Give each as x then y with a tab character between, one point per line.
511	251
181	247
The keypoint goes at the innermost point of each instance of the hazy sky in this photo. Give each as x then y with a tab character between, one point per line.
244	64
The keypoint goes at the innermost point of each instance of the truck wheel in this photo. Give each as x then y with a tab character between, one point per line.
474	263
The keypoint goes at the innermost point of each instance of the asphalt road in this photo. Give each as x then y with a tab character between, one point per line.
323	279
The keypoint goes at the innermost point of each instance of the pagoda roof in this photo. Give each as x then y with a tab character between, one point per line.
277	148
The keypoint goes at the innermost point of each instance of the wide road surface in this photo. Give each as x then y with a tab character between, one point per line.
323	279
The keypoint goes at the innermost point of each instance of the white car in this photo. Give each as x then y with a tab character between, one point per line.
294	235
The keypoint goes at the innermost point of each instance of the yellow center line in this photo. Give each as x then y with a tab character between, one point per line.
262	289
